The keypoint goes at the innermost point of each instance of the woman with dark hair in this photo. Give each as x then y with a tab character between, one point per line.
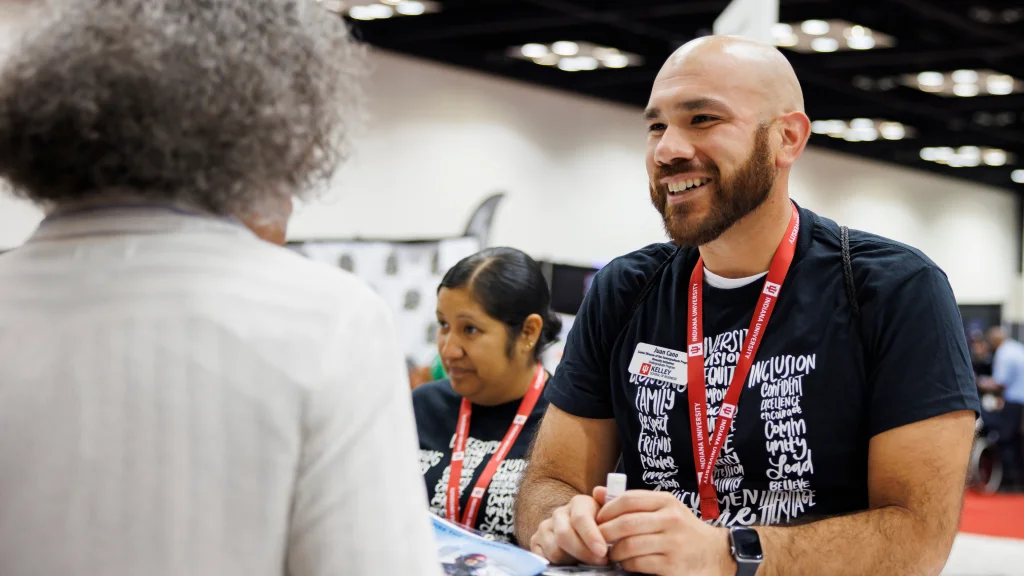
494	320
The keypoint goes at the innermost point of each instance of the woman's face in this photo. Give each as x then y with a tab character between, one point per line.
474	348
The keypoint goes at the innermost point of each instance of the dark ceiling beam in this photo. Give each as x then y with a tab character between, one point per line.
565	18
927	9
462	31
991	104
924	112
885	58
614	20
628	20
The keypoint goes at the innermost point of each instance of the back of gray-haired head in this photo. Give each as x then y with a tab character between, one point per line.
224	105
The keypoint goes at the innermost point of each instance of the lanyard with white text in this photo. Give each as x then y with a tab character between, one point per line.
459	452
706	450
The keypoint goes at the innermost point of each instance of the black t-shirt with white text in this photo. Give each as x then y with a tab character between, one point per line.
822	384
436	407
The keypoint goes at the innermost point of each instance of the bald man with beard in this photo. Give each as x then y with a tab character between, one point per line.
780	404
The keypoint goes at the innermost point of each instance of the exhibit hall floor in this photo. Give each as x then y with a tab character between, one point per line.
991	539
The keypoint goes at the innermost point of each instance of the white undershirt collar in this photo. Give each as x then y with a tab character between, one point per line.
716	281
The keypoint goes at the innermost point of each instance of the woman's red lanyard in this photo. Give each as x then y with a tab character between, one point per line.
706	450
459	453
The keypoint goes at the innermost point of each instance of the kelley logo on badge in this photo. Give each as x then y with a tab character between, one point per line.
659	363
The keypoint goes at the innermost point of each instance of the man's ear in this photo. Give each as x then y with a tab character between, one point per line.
794	130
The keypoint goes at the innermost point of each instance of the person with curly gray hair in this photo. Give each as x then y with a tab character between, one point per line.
176	395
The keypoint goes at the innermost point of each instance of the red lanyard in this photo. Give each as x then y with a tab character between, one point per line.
706	450
459	453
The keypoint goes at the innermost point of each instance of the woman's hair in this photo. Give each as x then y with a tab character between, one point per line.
510	286
229	105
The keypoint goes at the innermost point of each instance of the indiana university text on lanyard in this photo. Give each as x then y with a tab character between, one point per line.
705	449
459	452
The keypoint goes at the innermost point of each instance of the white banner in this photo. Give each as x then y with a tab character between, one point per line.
751	19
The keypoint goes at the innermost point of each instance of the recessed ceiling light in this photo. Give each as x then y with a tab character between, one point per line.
568	64
411	8
616	61
1017	176
862	129
825	44
787	41
361	13
574	56
892	130
856	31
944	154
861	42
815	27
930	79
965	77
834	128
565	48
586	63
820	126
867	135
781	30
548	59
534	50
840	35
999	84
966	90
994	157
966	156
380	11
963	83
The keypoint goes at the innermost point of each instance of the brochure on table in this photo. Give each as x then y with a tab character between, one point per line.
470	553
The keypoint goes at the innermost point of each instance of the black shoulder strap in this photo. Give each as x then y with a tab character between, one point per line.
851	287
648	286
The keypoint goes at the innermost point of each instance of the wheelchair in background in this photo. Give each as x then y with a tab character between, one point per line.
985	470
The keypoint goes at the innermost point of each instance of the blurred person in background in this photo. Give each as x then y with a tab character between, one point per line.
495	320
1008	381
178	396
981	354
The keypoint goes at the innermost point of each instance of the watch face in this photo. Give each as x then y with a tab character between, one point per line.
747	544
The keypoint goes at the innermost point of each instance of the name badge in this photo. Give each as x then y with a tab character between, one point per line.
659	363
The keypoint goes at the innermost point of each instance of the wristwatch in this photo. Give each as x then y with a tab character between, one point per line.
745	547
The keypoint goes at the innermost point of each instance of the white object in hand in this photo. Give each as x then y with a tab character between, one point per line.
616	485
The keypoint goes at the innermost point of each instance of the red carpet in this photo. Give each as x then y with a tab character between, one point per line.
994	515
